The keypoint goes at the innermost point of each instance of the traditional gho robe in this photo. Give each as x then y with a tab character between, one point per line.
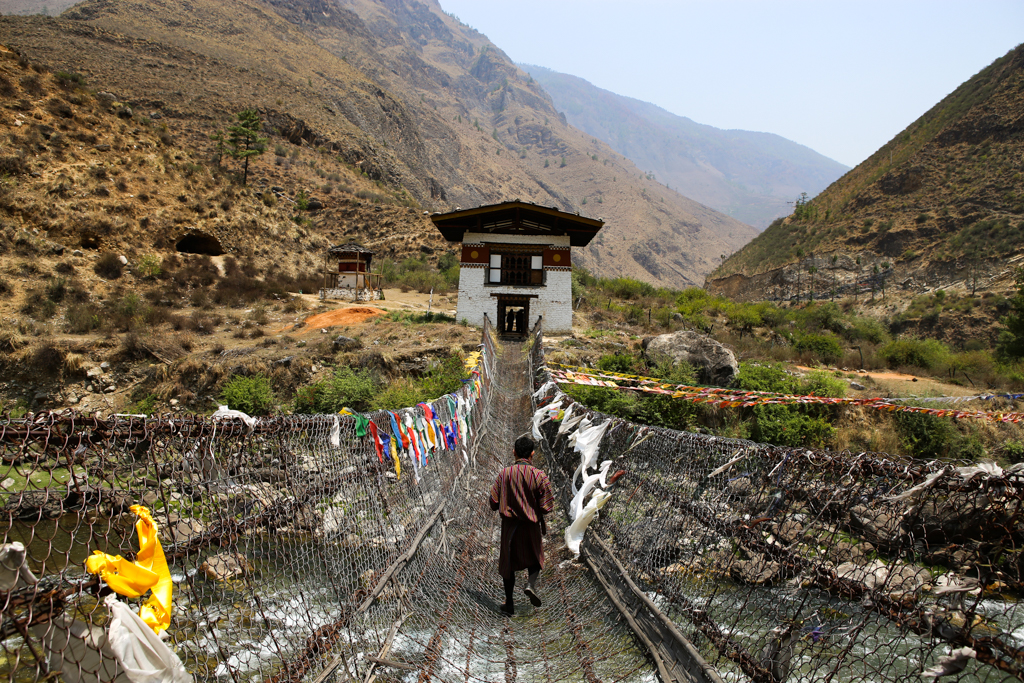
522	496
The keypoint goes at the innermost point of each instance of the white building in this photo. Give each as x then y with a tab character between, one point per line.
351	280
516	264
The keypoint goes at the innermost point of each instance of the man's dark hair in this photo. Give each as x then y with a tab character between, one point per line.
523	447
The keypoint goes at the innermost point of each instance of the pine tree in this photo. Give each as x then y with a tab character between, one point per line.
244	139
1010	344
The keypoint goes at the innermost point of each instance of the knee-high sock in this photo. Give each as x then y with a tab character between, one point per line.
510	585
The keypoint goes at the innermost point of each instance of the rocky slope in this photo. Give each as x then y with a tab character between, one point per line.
399	92
753	177
939	205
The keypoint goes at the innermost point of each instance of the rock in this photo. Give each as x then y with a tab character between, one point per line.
57	249
844	551
93	372
715	363
102	148
789	531
857	386
757	569
125	112
76	252
876	526
155	115
104	366
72	399
314	204
426	250
7	483
343	343
177	530
870	576
150	498
106	96
284	362
225	566
123	260
678	317
896	580
111	389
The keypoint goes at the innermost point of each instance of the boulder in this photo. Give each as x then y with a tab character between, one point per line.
343	343
225	566
715	363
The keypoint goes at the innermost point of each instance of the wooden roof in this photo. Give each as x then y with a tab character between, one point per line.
517	218
350	248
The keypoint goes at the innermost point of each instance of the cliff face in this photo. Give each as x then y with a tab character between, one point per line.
397	90
941	202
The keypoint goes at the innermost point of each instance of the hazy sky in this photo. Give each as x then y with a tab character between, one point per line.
840	77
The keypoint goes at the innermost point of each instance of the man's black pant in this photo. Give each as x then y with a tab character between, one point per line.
510	582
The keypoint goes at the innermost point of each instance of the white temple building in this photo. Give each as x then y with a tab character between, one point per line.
516	264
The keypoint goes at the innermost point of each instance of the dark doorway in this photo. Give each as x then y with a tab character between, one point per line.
513	316
199	243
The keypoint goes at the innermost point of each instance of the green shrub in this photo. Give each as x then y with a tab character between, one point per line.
346	388
789	426
824	347
922	353
445	376
148	267
928	436
252	395
617	363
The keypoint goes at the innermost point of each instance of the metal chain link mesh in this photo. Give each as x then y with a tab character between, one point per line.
297	555
799	564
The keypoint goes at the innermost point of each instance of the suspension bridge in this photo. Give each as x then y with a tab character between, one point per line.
319	548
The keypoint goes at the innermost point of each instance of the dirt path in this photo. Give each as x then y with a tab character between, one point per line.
898	383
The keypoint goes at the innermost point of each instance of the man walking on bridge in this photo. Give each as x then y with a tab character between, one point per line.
522	496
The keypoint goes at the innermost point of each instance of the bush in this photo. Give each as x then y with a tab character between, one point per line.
252	395
148	267
444	377
81	318
618	363
346	388
824	347
922	353
928	436
789	426
108	266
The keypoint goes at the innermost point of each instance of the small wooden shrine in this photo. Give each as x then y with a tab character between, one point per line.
351	279
516	264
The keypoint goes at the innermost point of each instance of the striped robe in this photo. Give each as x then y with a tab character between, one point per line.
522	496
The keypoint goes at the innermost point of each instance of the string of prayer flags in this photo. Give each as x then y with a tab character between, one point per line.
738	398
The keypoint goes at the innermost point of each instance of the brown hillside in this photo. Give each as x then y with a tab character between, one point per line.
940	204
423	106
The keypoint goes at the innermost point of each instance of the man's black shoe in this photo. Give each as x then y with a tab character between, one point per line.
508	610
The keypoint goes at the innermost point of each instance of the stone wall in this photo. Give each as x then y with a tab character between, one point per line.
350	294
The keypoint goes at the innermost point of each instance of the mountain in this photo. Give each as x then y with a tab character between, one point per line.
753	177
395	91
941	203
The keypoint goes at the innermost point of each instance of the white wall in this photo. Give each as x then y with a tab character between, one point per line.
554	301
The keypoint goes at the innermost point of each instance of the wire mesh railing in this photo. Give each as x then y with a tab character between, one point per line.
274	531
801	564
302	549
